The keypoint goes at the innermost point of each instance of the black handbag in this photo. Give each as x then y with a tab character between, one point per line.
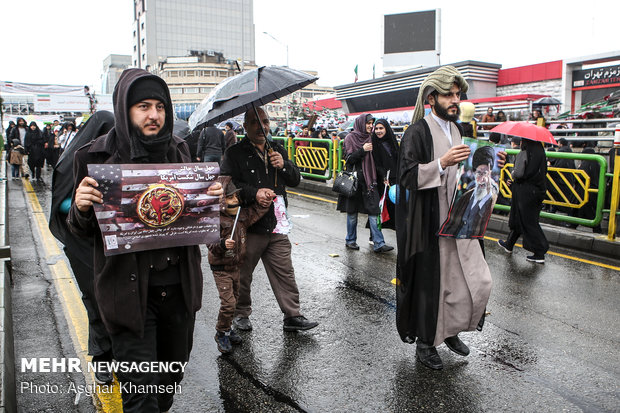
345	183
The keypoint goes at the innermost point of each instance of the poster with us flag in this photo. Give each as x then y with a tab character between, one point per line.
151	206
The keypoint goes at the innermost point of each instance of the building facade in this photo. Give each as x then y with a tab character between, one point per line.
164	28
113	66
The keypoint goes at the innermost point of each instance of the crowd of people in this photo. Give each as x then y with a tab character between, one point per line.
29	148
142	305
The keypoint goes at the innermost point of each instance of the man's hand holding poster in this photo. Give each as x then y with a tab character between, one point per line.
150	206
475	194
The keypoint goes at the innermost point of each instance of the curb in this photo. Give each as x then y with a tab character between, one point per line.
589	242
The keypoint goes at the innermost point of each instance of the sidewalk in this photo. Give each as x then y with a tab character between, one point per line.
581	239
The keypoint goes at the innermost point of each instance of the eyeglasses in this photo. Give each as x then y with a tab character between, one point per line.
482	174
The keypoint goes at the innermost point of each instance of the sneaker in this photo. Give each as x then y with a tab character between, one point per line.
242	323
298	323
384	248
353	246
223	342
370	241
538	259
503	244
235	339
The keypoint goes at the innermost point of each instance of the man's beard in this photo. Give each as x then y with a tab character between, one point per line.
480	192
137	132
443	113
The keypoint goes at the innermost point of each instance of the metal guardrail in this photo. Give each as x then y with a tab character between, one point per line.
581	197
8	394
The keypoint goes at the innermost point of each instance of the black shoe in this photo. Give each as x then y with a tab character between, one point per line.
235	339
384	248
428	356
242	323
352	246
455	344
298	323
538	259
102	375
223	342
503	244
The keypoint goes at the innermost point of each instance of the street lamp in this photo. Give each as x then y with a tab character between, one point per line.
287	97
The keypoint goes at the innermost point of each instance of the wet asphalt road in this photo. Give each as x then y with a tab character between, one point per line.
549	344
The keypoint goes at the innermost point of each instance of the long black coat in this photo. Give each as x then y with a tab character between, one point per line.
528	194
35	147
121	281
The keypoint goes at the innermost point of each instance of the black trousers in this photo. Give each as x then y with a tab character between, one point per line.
99	342
168	336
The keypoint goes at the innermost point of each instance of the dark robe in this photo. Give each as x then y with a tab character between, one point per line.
528	193
443	284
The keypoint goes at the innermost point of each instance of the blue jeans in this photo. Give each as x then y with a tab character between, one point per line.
375	232
211	158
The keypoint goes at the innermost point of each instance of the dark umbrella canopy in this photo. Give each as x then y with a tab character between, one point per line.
548	101
249	89
62	179
181	129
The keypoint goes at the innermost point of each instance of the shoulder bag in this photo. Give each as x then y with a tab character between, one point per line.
345	183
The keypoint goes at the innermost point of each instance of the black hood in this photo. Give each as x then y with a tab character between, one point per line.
122	126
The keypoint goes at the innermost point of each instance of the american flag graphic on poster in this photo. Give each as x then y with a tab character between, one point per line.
151	206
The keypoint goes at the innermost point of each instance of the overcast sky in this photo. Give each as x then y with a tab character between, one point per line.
65	41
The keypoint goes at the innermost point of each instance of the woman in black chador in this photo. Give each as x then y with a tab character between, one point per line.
528	193
385	154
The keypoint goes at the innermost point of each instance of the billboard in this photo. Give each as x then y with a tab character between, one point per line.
411	40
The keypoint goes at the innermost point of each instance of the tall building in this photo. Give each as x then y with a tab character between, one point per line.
113	66
164	28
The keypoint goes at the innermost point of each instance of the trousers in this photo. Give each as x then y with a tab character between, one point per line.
168	336
227	283
275	252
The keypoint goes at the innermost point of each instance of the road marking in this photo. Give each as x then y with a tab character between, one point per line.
311	197
71	300
568	257
557	254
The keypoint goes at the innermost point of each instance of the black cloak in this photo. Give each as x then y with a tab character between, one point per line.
528	193
417	222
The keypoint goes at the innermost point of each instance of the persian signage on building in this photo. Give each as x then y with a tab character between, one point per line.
599	76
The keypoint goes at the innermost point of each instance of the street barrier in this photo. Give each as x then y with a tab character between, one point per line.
316	156
8	401
558	179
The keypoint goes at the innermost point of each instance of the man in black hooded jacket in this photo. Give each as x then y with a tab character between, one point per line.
147	299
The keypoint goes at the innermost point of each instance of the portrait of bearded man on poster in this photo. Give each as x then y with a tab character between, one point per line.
470	213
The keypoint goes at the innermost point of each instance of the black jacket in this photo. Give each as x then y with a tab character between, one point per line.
121	281
210	142
247	169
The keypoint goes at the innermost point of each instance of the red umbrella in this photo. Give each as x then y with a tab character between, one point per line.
525	130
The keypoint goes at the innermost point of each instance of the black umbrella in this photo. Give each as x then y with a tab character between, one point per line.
247	90
181	129
548	101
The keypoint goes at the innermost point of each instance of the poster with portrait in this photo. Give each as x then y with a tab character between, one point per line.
476	192
151	206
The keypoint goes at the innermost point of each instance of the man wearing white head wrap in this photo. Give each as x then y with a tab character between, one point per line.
443	283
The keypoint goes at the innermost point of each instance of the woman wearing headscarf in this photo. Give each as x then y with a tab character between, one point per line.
48	144
358	154
385	155
528	192
35	145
